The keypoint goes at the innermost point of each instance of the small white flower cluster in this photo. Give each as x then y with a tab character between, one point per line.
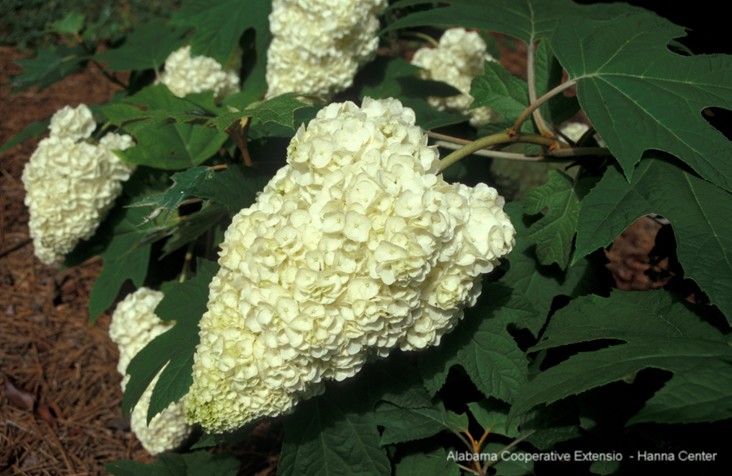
184	74
459	58
514	178
71	184
134	324
356	247
318	45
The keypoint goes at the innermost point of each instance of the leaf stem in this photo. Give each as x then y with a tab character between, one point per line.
538	103
495	139
531	78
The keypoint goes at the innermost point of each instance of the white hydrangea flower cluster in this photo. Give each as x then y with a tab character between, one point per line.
318	45
71	184
459	58
514	178
185	74
356	247
134	324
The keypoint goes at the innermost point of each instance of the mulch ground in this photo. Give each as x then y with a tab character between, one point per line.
59	388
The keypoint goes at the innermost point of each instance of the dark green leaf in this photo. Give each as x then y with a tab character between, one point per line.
699	213
147	47
535	284
193	226
482	345
124	258
219	27
31	131
491	415
51	64
641	96
548	73
658	332
236	187
527	20
183	188
501	91
414	423
395	77
326	437
71	24
432	463
171	464
279	110
183	303
553	233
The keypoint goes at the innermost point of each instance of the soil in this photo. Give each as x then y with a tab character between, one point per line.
60	392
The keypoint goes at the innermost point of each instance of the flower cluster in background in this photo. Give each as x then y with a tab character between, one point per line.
318	45
185	74
356	247
458	59
70	183
134	324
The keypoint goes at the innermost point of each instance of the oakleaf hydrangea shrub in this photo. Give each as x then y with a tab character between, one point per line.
327	236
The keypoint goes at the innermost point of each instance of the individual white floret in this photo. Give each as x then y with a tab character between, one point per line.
514	178
134	324
458	59
185	74
72	123
356	247
71	184
318	45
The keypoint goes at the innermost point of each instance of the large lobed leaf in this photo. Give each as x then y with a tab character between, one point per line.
124	256
172	464
699	213
526	20
145	48
657	332
640	96
219	27
173	350
554	232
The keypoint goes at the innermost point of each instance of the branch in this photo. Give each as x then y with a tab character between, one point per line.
531	74
495	139
538	103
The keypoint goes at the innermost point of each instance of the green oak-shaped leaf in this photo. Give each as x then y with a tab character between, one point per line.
482	345
124	257
219	27
147	47
656	331
501	91
553	233
173	350
327	437
173	464
51	64
639	95
526	20
699	213
279	110
427	463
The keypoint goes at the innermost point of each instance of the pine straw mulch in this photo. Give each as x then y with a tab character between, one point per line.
59	391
